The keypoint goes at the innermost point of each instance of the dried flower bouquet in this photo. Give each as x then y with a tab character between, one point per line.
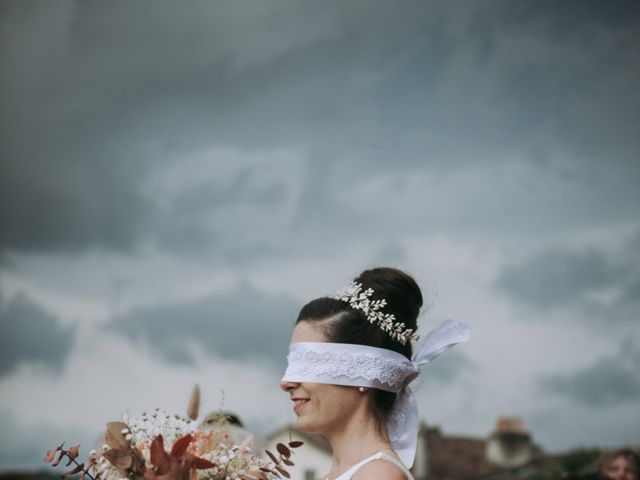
159	446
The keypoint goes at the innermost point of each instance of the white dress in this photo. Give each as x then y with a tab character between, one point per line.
376	456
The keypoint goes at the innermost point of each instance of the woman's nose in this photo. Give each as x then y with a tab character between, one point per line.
288	386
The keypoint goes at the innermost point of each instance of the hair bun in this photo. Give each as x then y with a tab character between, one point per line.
400	290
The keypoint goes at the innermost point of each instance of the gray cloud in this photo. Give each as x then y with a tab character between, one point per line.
625	307
445	371
25	446
244	323
557	277
605	383
66	184
31	335
97	96
561	277
391	253
501	124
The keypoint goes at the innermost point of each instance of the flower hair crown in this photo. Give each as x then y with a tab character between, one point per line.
359	299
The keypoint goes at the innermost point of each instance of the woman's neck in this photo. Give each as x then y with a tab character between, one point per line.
355	441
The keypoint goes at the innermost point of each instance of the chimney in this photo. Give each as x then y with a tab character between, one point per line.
510	444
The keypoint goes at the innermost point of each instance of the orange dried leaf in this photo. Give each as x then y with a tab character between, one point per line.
124	462
48	458
114	436
74	451
73	471
122	459
111	455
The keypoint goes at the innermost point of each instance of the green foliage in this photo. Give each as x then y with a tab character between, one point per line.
553	473
579	460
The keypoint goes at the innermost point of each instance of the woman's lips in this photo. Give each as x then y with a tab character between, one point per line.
299	403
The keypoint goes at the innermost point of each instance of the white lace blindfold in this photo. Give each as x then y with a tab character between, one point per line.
363	366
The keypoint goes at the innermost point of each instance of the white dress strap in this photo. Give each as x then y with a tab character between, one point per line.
376	456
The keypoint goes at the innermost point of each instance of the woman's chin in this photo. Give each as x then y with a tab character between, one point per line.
303	425
307	426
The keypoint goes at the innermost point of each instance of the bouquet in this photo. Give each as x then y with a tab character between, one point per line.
160	446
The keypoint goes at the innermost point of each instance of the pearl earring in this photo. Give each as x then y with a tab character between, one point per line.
362	389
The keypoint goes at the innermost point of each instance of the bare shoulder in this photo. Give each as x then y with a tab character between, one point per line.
379	470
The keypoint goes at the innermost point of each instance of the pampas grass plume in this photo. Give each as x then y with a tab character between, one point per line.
194	403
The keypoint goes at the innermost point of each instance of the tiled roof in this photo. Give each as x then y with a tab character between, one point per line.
457	458
464	458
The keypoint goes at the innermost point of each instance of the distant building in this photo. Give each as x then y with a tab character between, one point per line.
508	453
510	446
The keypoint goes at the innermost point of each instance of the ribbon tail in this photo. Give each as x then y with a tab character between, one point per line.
441	339
402	426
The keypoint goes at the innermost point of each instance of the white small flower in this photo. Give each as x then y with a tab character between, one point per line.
360	300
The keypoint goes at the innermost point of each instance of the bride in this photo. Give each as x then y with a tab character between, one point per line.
349	365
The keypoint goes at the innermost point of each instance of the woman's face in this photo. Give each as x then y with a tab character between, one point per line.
320	408
620	468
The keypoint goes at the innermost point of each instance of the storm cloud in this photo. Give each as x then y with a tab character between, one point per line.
605	383
557	277
30	335
95	97
599	285
176	180
244	323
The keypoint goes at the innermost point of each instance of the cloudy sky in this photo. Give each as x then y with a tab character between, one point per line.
177	179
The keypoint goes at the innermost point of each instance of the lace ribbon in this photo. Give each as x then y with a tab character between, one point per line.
364	366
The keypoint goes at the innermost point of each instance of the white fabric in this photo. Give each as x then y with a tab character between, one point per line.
364	366
347	364
376	456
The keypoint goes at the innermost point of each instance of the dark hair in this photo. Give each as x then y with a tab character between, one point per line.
343	324
612	455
